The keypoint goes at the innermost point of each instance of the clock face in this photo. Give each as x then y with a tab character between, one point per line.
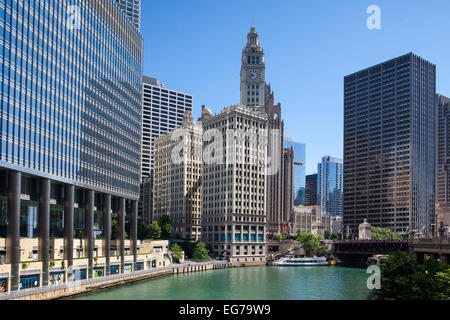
253	75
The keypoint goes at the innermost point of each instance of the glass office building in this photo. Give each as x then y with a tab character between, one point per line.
299	170
329	186
71	91
389	146
132	9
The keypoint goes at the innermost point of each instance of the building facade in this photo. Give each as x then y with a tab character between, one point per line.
443	161
163	110
311	193
287	190
70	130
389	146
299	169
304	219
277	217
234	184
132	10
253	69
177	190
329	186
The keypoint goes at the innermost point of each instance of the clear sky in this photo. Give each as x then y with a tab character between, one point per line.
195	46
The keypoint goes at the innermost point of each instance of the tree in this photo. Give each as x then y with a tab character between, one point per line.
200	252
188	248
384	234
402	279
311	243
142	231
335	236
177	252
327	234
166	227
154	231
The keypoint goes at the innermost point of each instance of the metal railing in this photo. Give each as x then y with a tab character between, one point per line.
78	283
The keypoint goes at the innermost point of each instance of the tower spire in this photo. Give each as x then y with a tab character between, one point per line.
253	19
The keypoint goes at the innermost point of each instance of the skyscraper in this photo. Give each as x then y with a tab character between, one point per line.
442	160
311	190
234	184
132	10
329	186
299	169
163	110
389	151
70	126
277	218
177	190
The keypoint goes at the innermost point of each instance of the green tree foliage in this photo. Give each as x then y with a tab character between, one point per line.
327	234
142	231
311	244
154	231
335	236
200	252
166	227
384	234
402	279
188	248
177	252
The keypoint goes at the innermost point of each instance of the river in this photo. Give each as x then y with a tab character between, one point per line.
248	283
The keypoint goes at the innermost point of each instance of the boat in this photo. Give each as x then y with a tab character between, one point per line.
294	261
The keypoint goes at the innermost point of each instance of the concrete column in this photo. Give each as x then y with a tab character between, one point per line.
89	231
13	228
107	230
133	231
69	191
121	227
44	228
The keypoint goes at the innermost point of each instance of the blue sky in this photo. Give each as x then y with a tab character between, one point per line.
195	46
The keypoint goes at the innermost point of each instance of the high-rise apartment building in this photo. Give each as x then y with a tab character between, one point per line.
299	169
163	110
329	186
132	10
234	184
389	146
70	130
311	190
443	161
177	190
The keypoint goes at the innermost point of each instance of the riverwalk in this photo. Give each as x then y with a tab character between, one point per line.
93	284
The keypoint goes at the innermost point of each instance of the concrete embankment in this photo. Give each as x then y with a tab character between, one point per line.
90	285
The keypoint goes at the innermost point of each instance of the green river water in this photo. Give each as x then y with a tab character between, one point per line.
248	283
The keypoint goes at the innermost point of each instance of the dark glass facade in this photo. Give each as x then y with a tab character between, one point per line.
71	97
299	170
389	156
311	190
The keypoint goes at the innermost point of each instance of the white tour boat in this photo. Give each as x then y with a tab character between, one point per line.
293	261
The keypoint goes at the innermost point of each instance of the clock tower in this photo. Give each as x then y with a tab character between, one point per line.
253	72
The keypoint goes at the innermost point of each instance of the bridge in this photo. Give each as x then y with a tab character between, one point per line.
438	248
417	248
281	248
369	247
